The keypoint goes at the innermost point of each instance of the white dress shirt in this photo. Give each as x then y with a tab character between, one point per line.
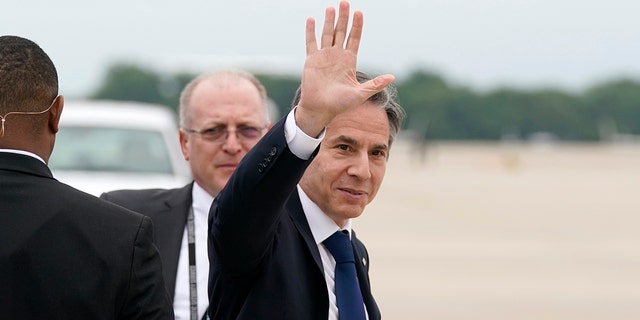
26	153
181	303
322	227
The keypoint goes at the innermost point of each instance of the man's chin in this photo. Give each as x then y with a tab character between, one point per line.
227	169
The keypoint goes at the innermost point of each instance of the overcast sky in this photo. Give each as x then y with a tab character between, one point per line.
477	43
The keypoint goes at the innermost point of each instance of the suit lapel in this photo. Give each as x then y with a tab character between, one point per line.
169	222
362	270
294	207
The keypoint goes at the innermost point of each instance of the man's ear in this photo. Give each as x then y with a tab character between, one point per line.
54	114
184	140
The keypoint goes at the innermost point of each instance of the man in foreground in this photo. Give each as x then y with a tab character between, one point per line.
280	238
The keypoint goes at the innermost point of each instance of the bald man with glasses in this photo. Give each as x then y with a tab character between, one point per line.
222	116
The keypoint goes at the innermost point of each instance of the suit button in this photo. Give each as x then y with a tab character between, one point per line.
273	151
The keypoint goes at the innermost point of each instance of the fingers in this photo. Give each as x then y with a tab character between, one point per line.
327	30
353	43
340	33
335	35
312	45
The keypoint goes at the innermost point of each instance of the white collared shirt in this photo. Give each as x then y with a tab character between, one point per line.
299	142
181	303
322	227
23	152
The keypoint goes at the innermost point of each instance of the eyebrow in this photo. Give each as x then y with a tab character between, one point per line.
350	140
242	123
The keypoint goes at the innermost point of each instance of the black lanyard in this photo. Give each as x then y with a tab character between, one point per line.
193	293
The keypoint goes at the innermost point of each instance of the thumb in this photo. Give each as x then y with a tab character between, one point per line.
377	84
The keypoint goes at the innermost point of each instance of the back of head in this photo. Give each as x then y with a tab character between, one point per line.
28	83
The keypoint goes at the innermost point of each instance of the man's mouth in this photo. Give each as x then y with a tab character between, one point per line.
353	192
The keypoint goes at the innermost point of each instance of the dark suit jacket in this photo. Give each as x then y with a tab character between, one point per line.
265	263
168	209
65	254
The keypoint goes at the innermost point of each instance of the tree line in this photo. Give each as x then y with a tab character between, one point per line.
436	108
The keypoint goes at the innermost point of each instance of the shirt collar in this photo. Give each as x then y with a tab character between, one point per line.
202	200
23	152
322	227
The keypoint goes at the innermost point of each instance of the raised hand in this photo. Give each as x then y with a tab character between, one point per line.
329	84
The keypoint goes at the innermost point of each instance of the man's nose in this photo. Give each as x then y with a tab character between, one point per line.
231	143
360	166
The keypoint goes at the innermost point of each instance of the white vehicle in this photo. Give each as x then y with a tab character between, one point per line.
108	145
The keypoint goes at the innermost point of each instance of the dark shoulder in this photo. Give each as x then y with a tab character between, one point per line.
125	194
84	205
139	199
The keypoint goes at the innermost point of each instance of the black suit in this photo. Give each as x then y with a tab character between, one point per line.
168	209
265	263
65	254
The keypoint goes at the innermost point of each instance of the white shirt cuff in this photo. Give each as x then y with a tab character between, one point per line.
299	142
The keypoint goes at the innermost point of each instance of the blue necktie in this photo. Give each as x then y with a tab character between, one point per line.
348	295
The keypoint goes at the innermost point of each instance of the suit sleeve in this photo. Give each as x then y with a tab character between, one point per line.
147	297
245	214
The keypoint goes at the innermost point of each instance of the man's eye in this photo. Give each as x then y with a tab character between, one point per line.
343	147
378	153
249	132
214	131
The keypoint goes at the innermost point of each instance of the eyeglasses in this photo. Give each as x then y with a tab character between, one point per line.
220	134
4	118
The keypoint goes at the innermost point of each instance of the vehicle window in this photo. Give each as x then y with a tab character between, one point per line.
110	149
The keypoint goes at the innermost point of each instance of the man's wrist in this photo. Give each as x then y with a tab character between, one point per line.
299	142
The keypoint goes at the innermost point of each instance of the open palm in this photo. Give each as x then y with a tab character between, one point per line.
329	84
